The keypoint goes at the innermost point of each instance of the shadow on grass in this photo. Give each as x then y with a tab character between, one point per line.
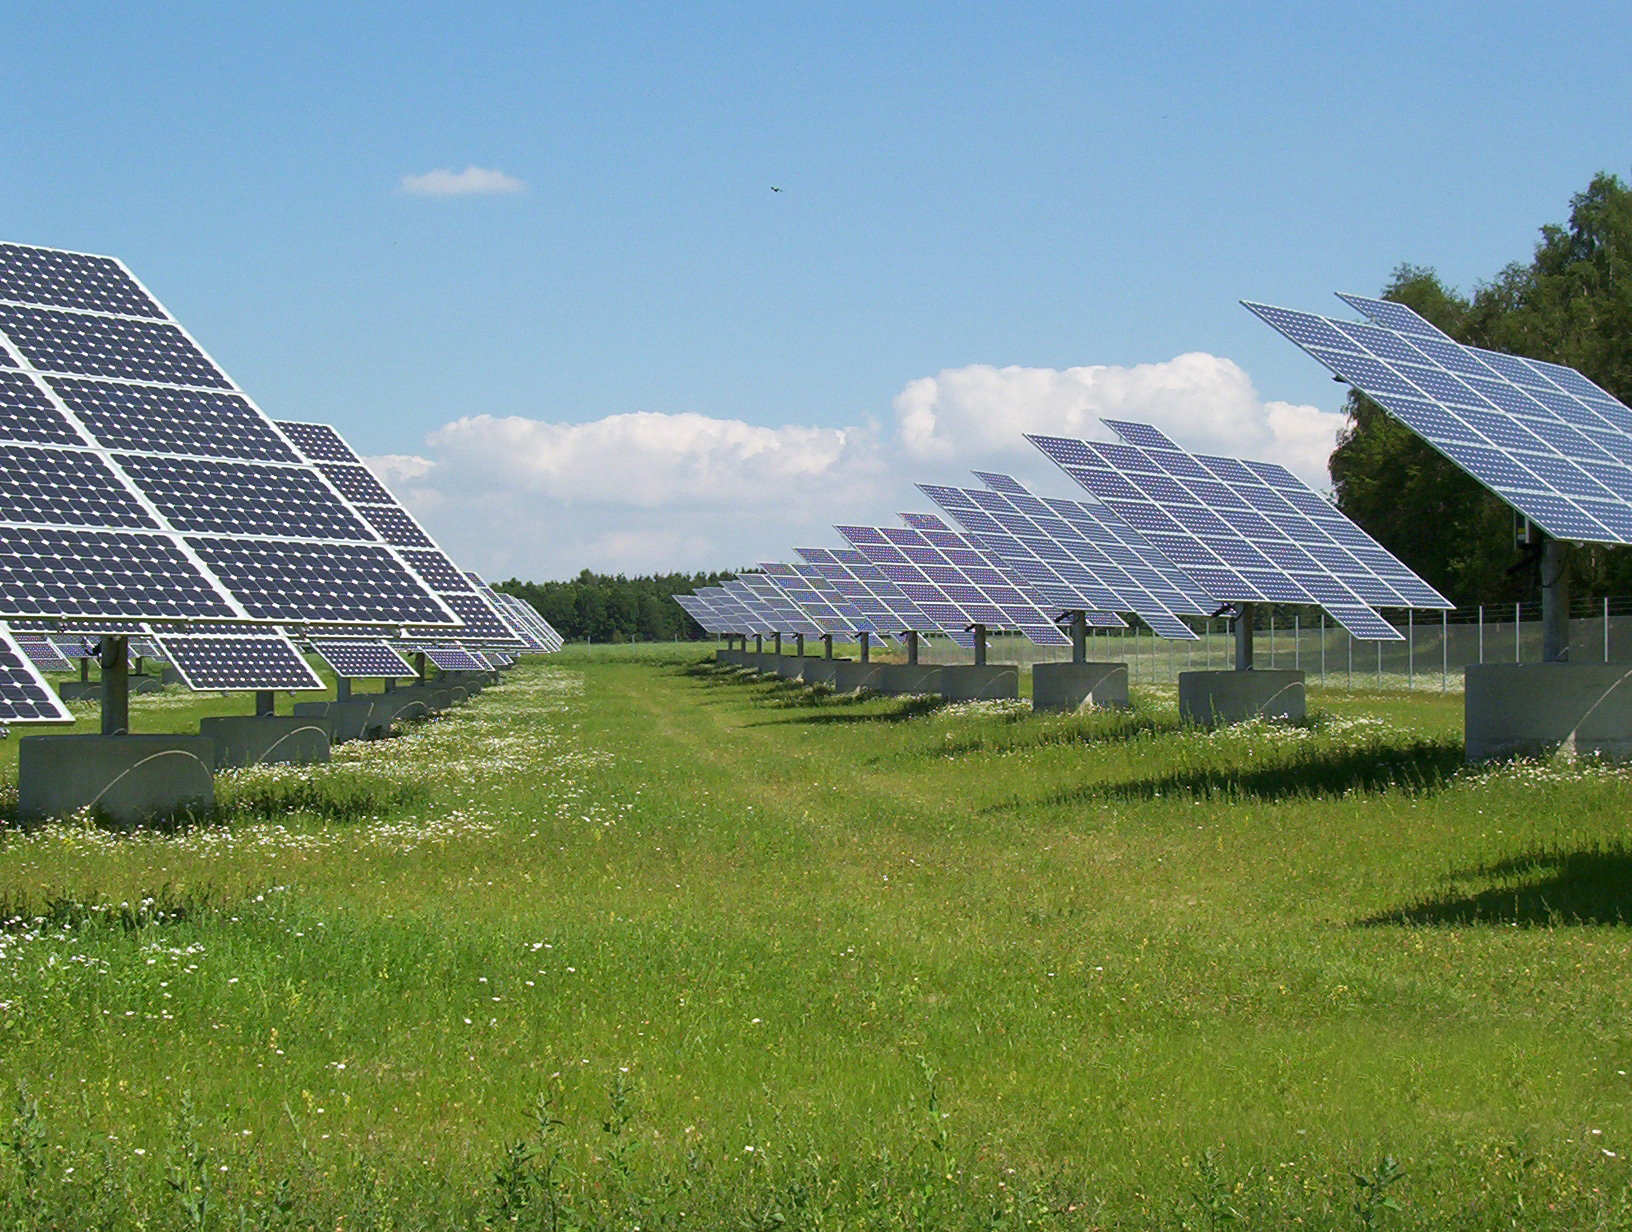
1018	729
896	709
1418	768
1582	888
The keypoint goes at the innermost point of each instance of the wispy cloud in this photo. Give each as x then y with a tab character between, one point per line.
646	491
473	181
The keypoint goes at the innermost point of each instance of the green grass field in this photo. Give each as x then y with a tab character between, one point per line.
632	943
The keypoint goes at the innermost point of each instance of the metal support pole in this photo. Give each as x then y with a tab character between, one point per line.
115	687
827	645
1444	651
776	644
1410	650
1243	637
980	645
912	649
419	666
266	703
1079	637
389	684
799	644
1297	642
1323	647
1351	659
1481	633
759	643
84	669
865	649
1606	628
1555	601
342	688
1518	646
1379	665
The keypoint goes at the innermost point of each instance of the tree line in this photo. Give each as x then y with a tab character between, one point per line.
1570	304
606	607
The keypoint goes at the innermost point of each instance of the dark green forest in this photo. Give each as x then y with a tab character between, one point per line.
1570	304
606	607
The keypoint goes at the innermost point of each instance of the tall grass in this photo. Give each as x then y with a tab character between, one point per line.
628	944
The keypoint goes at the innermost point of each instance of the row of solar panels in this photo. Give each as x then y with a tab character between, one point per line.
142	492
1168	535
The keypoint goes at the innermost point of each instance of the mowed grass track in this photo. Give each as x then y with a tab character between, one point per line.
780	959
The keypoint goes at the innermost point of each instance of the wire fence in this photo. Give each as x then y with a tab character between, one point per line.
1433	648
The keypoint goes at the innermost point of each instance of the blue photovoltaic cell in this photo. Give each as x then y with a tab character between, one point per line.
1541	436
42	653
395	526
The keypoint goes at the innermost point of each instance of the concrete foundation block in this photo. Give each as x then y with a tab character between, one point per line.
269	739
728	658
850	675
820	671
1212	698
127	779
790	667
80	691
348	720
989	682
904	679
170	675
1069	687
1536	709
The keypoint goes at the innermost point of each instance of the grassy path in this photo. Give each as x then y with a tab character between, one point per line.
850	963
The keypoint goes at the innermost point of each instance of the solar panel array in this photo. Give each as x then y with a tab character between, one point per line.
454	659
783	615
1243	531
1549	442
238	661
950	580
527	618
42	653
137	482
342	467
1074	558
813	594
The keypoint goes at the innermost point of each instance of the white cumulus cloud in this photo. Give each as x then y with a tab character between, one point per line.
644	491
471	182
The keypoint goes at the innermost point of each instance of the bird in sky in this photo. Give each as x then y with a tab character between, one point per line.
774	188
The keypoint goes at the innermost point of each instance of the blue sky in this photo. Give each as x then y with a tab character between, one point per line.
679	366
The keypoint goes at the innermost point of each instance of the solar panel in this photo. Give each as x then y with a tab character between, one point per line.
1245	532
123	446
548	640
353	660
1095	574
238	661
41	653
25	696
880	600
453	659
343	467
951	581
1544	438
787	616
832	613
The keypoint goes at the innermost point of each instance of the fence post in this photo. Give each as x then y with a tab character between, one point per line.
1297	641
1323	646
1606	628
1351	659
1518	647
1379	665
1410	649
1444	651
1481	633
